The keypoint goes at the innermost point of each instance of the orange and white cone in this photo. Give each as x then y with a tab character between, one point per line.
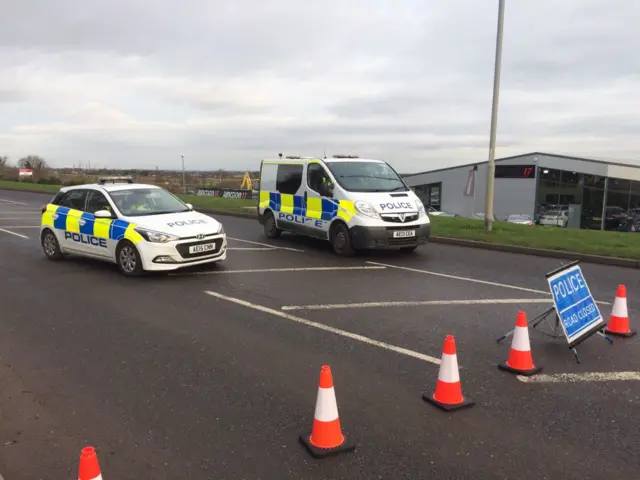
619	318
89	467
326	436
520	358
448	394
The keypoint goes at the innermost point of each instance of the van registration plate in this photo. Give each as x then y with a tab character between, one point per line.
404	233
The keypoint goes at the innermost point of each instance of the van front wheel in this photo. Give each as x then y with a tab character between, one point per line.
341	240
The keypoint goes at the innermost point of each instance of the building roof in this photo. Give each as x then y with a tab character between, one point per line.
570	157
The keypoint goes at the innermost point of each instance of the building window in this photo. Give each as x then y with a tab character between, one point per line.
430	194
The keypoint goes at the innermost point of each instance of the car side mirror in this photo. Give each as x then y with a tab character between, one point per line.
189	206
103	214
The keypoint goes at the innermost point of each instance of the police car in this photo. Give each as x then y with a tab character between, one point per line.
136	226
352	202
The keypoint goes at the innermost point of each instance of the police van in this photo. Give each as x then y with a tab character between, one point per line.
354	203
136	226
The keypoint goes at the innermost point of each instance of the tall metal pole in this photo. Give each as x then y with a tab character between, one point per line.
491	170
184	187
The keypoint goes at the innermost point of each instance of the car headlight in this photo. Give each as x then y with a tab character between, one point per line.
421	211
156	237
221	230
366	209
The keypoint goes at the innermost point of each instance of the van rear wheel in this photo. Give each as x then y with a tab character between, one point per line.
341	240
271	230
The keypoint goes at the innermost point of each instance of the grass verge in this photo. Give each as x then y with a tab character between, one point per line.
590	242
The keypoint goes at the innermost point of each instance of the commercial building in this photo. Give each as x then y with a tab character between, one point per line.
594	193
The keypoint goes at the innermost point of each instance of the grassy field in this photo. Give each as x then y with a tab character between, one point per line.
610	244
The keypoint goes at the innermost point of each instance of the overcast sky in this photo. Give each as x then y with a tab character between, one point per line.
137	83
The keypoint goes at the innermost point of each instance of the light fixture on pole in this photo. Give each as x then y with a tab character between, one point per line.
491	167
184	187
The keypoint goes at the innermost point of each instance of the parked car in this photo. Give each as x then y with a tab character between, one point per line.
556	218
630	225
520	219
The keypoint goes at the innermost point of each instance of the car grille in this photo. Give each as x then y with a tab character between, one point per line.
183	248
395	219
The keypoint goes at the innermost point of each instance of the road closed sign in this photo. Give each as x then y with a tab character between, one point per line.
577	310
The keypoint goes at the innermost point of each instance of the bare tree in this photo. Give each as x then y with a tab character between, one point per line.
4	161
35	163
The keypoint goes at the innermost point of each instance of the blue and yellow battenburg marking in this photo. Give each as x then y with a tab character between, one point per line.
318	208
75	221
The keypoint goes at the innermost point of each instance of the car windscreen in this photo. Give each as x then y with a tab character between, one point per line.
146	201
552	213
366	177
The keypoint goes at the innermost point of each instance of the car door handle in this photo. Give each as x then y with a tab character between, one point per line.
55	216
82	221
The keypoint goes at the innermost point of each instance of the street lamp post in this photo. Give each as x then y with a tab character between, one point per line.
491	167
184	186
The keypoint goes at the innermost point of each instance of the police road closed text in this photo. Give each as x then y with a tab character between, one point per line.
574	303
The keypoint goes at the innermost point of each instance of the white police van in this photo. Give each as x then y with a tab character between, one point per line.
354	203
139	227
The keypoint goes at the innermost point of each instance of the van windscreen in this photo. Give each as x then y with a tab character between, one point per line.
366	177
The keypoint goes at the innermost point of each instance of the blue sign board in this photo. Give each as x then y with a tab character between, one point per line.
577	310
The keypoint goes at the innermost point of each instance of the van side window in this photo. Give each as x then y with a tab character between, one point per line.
315	174
289	178
75	199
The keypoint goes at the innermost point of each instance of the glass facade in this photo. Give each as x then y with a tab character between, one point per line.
430	194
590	201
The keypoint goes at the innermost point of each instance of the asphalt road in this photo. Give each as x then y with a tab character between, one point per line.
204	374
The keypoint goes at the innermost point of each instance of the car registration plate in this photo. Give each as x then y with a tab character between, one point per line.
404	233
207	247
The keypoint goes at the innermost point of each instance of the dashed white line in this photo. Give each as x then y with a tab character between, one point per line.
266	245
327	328
269	270
581	377
24	217
257	249
497	301
14	233
21	226
13	202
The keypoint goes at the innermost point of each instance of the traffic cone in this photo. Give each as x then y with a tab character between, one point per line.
448	395
520	359
619	319
89	468
326	436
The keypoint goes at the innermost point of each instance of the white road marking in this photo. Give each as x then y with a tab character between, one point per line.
21	226
327	328
497	301
24	217
468	279
581	377
258	249
268	270
13	233
13	202
266	245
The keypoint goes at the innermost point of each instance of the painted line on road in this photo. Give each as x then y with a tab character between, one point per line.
474	280
581	377
14	233
13	202
36	217
327	328
497	301
270	270
266	245
257	249
20	226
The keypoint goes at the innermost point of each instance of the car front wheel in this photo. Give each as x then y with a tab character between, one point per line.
128	259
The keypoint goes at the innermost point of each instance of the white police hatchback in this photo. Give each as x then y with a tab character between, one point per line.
136	226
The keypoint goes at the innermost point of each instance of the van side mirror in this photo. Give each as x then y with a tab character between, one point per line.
103	214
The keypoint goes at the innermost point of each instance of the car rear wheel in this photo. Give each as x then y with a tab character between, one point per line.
51	246
128	259
271	230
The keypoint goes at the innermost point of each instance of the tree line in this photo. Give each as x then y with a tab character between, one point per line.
33	162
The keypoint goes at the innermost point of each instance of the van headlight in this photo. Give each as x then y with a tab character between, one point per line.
421	211
156	237
366	209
